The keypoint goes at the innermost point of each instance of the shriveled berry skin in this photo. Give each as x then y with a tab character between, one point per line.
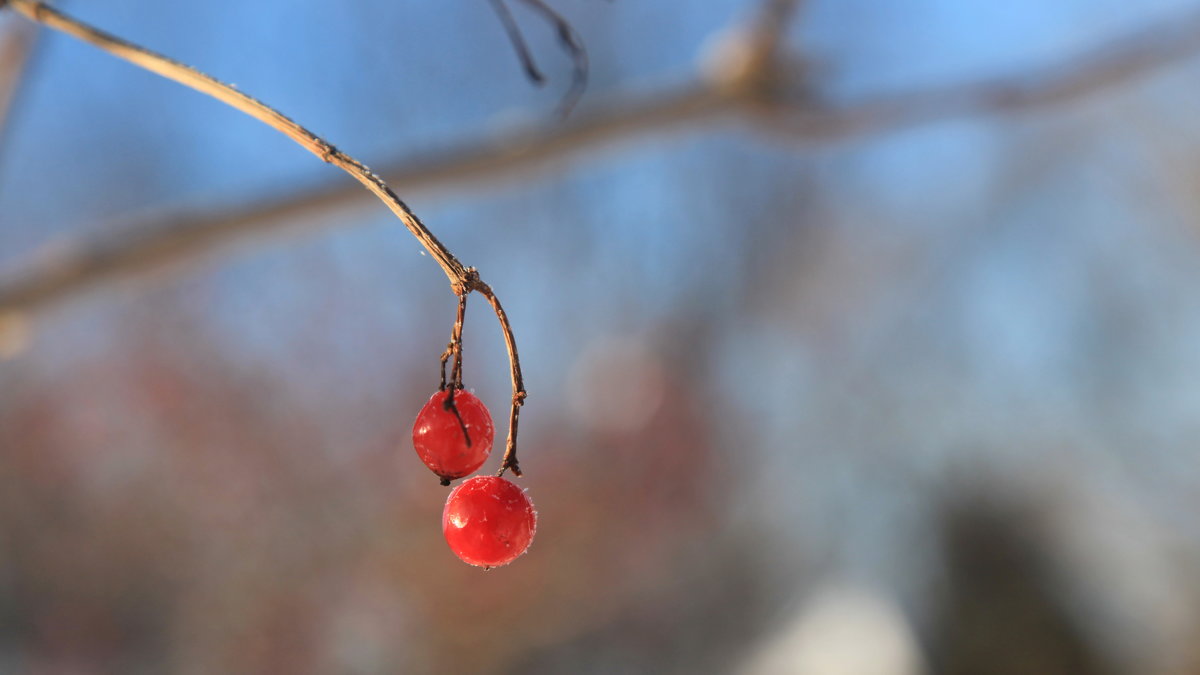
488	521
439	439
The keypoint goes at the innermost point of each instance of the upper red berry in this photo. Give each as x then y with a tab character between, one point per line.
453	441
488	521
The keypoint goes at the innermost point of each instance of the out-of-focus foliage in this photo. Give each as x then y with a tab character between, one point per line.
916	402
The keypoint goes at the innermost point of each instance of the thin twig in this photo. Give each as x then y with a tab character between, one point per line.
518	41
567	37
518	383
190	77
456	338
573	45
455	349
463	280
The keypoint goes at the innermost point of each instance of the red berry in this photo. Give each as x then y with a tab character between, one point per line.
488	521
453	445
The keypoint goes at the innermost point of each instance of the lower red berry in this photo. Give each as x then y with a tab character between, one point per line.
453	438
488	521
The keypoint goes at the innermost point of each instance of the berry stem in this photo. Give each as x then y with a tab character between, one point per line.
518	382
454	348
456	340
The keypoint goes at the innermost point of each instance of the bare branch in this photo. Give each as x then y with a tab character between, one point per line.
463	280
801	118
518	41
573	45
188	76
567	37
518	384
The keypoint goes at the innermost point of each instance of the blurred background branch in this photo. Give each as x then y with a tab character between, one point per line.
745	83
16	42
572	44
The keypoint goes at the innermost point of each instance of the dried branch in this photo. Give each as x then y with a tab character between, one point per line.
188	76
573	45
454	350
510	343
518	41
788	110
567	37
463	280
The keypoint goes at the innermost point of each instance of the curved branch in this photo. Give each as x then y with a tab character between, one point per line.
513	31
572	44
463	279
518	384
206	84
